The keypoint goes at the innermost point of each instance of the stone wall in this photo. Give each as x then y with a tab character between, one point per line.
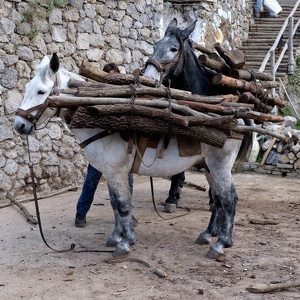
100	31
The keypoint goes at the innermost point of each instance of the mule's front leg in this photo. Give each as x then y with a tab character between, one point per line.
123	235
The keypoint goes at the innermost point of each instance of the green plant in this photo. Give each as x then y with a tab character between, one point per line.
293	82
28	15
33	33
297	127
286	111
51	4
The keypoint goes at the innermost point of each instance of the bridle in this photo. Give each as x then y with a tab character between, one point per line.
165	66
27	114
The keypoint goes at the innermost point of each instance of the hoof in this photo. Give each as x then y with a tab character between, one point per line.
111	242
213	254
121	251
203	239
169	208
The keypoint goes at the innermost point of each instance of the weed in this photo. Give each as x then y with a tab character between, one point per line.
293	82
51	4
28	16
33	33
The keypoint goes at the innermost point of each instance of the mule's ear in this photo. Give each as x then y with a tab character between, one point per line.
173	23
185	33
54	63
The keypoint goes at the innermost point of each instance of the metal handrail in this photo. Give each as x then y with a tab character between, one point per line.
288	45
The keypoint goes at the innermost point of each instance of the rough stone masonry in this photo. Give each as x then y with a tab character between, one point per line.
100	31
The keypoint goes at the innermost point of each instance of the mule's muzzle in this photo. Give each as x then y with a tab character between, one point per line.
26	115
155	63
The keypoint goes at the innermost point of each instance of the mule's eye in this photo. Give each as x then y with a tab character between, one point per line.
173	49
41	92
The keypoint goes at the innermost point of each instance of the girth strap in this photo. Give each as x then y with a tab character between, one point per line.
96	137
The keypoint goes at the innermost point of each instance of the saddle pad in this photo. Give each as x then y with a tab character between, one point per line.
188	147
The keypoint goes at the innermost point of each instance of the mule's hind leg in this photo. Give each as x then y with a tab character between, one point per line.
224	196
215	222
174	193
123	235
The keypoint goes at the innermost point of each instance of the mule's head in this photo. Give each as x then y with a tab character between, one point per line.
168	50
33	109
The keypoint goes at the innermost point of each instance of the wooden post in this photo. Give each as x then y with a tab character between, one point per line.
273	71
290	67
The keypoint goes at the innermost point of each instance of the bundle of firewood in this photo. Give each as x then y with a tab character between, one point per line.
290	154
133	102
252	87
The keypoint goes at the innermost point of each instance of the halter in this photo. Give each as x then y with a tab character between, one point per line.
27	114
164	66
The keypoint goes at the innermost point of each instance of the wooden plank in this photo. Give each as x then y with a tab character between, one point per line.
271	145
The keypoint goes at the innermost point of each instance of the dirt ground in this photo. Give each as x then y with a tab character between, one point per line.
266	246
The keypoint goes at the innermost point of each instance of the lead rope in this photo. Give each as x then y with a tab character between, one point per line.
155	208
30	165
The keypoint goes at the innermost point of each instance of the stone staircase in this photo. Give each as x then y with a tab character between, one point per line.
262	33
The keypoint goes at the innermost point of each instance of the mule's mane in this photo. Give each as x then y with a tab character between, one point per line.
70	74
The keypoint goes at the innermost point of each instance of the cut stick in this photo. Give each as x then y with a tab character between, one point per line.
266	288
23	209
270	146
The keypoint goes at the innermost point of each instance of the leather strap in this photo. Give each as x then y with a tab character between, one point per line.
96	137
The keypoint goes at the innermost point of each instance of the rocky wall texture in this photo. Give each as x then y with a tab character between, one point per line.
100	31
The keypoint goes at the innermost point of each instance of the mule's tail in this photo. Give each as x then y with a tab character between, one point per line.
245	147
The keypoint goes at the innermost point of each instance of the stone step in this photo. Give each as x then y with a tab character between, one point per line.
270	41
262	34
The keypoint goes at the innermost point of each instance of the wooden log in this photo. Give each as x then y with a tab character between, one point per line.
267	288
216	57
218	66
164	114
245	129
240	84
201	48
209	135
231	98
87	70
273	100
259	105
259	117
29	217
253	87
126	91
297	164
269	84
73	83
121	109
232	104
69	102
217	121
234	58
245	74
204	107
